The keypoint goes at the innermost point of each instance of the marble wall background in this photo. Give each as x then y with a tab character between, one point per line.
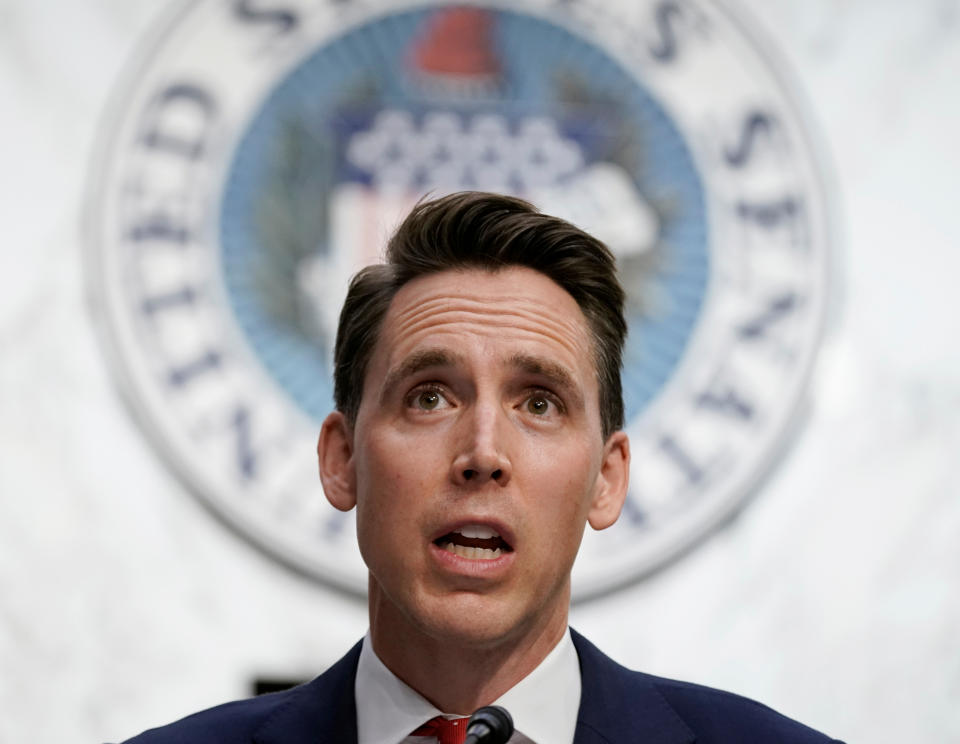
834	597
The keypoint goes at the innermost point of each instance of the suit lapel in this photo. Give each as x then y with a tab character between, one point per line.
323	711
618	705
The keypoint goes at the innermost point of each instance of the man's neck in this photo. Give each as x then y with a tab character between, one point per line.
455	674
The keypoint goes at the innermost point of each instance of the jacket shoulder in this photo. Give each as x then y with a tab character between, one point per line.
618	704
230	722
720	716
321	710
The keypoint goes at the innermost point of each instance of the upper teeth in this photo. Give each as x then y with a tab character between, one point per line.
477	531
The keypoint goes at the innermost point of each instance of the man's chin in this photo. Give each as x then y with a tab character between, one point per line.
466	617
484	622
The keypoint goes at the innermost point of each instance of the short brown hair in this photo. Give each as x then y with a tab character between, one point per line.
470	230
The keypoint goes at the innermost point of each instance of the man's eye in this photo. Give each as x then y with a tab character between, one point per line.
427	400
538	405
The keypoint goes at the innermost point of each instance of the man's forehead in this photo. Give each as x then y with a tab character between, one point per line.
520	315
509	303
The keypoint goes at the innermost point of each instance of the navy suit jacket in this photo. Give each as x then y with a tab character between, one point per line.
617	706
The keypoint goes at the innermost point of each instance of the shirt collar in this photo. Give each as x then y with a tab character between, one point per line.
543	704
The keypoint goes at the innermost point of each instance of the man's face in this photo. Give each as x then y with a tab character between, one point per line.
477	456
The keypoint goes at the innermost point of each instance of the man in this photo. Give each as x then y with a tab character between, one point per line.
477	432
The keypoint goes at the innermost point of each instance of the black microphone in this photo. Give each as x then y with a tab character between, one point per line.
489	725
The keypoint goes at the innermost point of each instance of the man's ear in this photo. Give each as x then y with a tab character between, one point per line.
335	457
612	482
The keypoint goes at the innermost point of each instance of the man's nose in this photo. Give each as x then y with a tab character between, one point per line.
481	454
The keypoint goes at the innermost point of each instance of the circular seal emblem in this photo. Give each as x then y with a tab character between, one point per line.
262	153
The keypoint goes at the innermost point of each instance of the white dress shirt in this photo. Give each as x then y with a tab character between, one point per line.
543	704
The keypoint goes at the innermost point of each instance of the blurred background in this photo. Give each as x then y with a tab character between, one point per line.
832	595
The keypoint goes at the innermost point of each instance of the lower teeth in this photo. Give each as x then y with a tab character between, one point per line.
482	554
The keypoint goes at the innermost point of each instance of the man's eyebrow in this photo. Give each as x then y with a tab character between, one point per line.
553	371
416	362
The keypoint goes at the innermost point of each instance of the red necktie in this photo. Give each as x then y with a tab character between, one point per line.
447	730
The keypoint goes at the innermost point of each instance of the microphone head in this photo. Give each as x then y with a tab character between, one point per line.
491	724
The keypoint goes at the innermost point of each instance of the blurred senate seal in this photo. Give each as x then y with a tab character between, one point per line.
261	153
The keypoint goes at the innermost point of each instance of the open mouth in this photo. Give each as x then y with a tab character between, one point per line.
475	542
